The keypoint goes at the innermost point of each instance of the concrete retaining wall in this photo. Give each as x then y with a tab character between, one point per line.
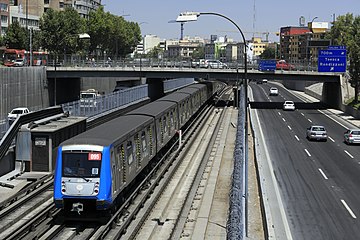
107	84
23	87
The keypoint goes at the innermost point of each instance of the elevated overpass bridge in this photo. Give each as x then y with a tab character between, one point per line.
296	80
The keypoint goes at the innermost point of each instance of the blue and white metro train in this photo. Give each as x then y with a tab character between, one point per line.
95	167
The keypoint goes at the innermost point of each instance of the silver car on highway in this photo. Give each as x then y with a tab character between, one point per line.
316	133
352	136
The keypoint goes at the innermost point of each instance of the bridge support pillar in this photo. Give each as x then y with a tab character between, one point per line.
331	94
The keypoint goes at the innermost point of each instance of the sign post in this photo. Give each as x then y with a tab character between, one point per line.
332	59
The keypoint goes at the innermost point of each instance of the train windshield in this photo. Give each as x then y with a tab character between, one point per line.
81	164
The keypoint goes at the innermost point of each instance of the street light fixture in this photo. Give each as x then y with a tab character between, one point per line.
193	16
79	36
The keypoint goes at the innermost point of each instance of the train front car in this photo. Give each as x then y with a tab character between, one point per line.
82	179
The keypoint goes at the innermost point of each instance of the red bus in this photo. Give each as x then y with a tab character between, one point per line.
10	55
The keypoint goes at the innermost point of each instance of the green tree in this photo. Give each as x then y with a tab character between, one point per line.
112	34
60	30
155	52
16	36
268	53
346	31
199	53
2	42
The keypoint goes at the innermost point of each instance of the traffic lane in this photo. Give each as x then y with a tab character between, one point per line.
263	100
343	202
338	161
310	206
334	162
335	130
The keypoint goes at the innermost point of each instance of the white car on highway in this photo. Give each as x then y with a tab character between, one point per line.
289	105
274	91
316	133
352	136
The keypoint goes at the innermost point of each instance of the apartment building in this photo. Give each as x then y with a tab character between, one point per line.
29	12
301	44
4	16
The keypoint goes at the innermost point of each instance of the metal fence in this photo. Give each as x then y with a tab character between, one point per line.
236	224
142	61
102	104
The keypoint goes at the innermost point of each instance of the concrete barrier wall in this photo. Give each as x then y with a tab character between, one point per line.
23	87
107	84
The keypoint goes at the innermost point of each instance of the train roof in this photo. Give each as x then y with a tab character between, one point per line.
198	85
175	97
192	89
107	133
153	109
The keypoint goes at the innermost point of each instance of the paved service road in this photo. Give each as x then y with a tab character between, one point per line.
318	182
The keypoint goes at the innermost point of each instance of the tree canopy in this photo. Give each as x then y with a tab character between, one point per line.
60	30
268	53
16	36
346	31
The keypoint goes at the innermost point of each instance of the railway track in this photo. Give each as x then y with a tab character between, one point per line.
136	211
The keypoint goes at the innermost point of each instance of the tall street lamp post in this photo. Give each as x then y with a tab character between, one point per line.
79	36
193	16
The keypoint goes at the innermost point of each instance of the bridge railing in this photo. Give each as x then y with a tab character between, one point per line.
111	61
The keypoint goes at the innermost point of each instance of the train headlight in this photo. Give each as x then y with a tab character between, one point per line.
63	187
96	188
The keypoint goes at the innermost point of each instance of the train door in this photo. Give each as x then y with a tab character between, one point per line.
117	168
144	148
130	158
138	155
114	181
151	140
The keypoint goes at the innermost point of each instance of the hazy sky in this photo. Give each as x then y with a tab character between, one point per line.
269	15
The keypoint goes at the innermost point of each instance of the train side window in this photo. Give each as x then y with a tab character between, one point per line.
129	152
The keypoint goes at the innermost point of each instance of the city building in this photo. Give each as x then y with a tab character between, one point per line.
301	44
4	16
183	49
149	42
29	12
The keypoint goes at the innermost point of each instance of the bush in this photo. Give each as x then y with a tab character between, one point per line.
351	102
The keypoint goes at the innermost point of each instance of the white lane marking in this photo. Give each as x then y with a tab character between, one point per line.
348	154
309	120
289	127
276	186
302	114
331	139
297	138
284	119
307	152
279	113
348	209
322	173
